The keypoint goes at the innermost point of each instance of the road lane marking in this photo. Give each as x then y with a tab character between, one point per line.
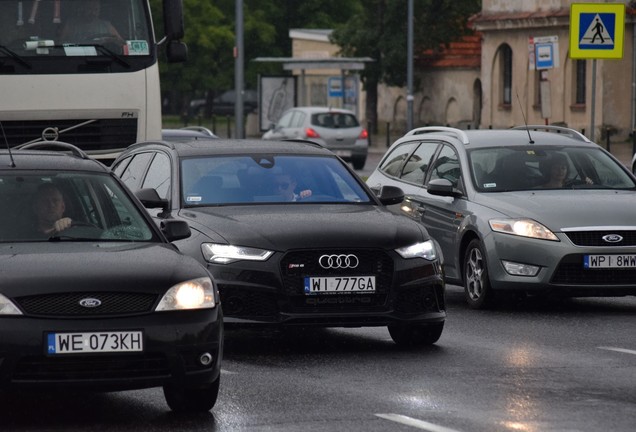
420	424
621	350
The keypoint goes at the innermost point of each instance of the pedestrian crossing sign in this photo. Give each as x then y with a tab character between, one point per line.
597	30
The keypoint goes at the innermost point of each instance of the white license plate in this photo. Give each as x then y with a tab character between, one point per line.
343	153
340	284
97	342
609	261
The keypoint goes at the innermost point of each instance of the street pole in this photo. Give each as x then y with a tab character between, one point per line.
238	72
593	109
409	69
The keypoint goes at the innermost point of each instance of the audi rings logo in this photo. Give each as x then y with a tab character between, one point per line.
339	261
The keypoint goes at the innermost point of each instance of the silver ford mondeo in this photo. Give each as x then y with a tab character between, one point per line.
534	209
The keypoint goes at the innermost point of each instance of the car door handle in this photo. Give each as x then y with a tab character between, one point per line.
419	211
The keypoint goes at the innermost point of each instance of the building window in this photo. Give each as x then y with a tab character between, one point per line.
580	79
506	62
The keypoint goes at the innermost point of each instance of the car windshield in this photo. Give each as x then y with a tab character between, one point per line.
500	169
217	180
96	208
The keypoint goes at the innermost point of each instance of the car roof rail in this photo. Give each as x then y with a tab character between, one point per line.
457	133
169	144
201	129
54	145
558	129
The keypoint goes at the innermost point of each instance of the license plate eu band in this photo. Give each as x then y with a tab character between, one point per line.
340	284
96	342
609	261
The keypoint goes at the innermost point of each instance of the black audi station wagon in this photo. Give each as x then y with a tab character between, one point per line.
292	236
92	294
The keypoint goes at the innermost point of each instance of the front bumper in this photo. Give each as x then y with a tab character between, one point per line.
272	292
561	269
173	344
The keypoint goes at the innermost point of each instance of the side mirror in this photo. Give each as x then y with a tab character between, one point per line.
175	229
176	52
390	195
151	199
442	187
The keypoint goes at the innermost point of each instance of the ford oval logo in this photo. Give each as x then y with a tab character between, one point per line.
90	302
612	238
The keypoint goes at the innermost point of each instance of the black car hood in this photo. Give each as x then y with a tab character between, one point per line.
293	226
37	268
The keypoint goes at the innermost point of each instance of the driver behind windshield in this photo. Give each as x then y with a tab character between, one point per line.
86	25
49	207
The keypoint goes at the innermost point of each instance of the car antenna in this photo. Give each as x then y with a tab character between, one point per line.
524	118
12	164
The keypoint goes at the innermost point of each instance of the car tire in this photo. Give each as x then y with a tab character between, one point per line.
358	162
190	400
477	290
416	335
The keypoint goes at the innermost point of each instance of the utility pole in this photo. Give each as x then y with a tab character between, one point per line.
409	69
238	72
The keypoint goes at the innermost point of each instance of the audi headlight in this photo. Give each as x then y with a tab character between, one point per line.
7	307
424	250
523	228
192	294
225	254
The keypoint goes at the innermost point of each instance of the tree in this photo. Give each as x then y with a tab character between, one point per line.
379	30
209	34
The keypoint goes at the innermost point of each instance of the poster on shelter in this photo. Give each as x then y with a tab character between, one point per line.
277	94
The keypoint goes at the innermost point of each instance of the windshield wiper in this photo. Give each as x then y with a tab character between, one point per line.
9	53
71	238
118	58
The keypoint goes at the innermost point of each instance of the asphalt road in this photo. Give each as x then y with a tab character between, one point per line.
532	366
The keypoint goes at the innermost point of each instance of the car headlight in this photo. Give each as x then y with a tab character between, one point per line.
7	307
192	294
424	250
523	228
225	254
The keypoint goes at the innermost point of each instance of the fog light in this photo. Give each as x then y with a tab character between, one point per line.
205	359
518	269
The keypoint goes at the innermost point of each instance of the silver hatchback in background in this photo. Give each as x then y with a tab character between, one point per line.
336	129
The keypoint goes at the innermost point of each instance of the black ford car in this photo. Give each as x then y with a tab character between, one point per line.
292	236
92	294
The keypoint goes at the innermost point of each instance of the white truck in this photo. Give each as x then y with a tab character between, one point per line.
83	71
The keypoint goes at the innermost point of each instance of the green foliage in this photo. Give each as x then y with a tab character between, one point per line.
379	30
369	28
